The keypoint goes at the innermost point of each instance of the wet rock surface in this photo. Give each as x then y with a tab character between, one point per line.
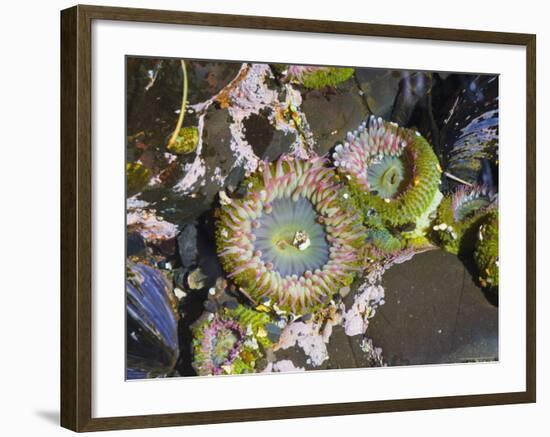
434	313
331	114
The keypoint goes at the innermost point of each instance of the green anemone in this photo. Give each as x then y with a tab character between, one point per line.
486	252
295	238
233	341
459	216
392	172
382	243
319	77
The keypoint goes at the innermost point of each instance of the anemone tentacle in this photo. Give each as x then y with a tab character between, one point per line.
303	239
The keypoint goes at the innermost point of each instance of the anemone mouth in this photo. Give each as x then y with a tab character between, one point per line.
468	201
393	170
292	239
387	177
222	345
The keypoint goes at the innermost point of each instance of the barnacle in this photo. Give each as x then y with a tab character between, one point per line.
294	238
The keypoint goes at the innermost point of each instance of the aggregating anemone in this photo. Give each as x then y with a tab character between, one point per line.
216	345
459	216
486	251
319	77
392	172
294	238
230	342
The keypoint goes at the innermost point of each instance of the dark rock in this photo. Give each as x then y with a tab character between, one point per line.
332	113
280	143
187	246
380	88
340	351
258	132
179	276
273	332
413	87
134	244
167	247
235	177
210	306
434	313
206	79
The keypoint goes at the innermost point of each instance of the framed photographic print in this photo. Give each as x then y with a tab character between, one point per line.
269	218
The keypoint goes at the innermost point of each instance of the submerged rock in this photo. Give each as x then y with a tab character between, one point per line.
187	246
434	313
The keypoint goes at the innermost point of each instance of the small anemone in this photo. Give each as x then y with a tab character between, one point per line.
318	77
393	172
217	344
459	216
486	252
294	238
233	341
383	244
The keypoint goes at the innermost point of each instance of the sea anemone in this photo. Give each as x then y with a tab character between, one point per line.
152	323
392	172
318	77
486	252
233	341
459	216
217	344
294	238
383	243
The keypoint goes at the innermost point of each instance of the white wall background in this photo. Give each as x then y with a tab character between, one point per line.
29	217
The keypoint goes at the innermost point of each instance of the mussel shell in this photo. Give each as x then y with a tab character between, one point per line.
151	323
470	131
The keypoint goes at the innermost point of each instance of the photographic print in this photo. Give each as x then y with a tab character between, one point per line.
288	218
